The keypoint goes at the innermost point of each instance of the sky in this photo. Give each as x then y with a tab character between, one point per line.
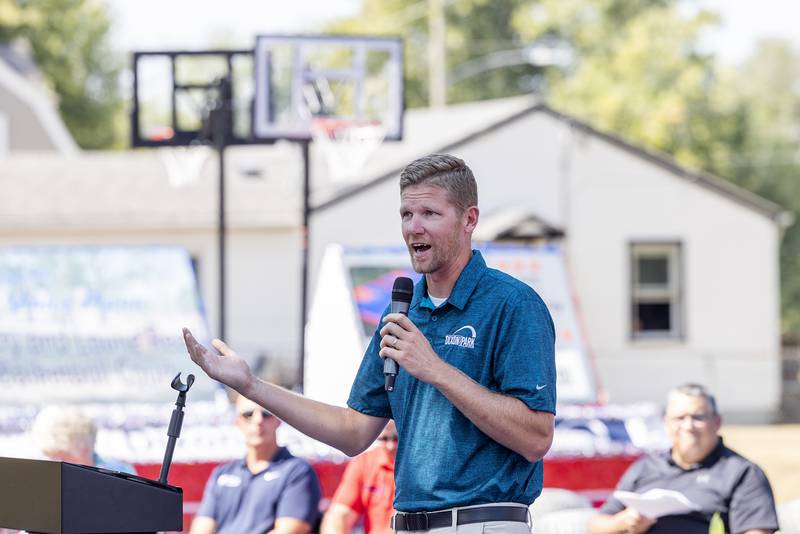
198	24
744	22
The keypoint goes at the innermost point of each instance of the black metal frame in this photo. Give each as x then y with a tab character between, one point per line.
217	130
219	85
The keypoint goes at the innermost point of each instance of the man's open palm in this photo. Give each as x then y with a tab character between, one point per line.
226	367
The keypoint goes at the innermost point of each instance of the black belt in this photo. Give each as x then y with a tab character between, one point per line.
483	514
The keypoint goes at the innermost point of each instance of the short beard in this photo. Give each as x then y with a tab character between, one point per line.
448	253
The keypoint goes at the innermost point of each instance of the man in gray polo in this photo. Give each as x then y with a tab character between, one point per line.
701	467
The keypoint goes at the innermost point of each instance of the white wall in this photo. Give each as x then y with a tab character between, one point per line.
31	115
607	197
730	281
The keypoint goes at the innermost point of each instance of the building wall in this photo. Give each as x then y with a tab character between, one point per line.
30	115
607	198
28	133
730	282
603	196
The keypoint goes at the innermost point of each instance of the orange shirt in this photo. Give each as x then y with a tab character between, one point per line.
367	488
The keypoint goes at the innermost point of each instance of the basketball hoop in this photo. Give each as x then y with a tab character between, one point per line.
347	144
184	164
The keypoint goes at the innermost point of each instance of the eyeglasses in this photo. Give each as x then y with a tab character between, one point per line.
697	418
388	438
247	414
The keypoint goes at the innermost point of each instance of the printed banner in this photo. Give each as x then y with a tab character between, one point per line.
82	323
372	273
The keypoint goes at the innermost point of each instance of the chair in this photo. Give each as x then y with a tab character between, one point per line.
789	517
554	499
575	521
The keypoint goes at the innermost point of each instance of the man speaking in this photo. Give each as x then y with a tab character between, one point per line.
474	398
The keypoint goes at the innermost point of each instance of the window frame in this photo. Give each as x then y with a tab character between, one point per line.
672	292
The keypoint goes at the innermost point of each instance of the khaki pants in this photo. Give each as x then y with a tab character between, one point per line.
490	527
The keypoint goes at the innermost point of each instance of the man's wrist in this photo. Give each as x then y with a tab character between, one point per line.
249	387
445	376
620	525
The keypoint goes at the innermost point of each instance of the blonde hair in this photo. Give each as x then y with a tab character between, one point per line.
447	172
63	429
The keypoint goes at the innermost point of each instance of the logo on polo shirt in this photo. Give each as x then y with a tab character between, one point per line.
229	481
463	337
269	476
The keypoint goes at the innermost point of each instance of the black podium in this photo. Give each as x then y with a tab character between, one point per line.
63	498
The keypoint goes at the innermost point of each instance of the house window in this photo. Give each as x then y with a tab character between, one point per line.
656	291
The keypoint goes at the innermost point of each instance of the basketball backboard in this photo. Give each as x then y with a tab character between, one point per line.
301	78
174	91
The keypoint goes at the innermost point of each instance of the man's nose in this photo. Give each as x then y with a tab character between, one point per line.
416	226
687	422
258	418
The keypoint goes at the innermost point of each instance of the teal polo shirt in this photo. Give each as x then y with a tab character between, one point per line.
496	330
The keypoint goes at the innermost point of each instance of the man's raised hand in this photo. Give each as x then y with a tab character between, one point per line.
226	367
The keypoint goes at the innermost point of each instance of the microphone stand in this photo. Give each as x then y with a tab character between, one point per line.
175	423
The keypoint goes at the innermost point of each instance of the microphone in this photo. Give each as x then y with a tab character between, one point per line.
402	291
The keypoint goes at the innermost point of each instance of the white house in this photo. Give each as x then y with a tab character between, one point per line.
676	272
27	109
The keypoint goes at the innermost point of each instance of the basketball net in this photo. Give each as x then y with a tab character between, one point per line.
347	144
184	164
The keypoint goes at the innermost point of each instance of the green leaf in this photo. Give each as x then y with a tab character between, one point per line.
717	526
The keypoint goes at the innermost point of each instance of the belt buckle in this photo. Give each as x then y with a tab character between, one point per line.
417	522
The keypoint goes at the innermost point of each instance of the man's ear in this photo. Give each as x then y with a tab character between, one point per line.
471	215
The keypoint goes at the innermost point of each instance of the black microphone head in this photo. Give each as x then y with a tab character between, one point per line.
403	289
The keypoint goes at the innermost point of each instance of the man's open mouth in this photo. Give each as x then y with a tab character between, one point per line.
420	247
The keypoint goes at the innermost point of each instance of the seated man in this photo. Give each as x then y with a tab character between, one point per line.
66	434
269	490
702	468
367	488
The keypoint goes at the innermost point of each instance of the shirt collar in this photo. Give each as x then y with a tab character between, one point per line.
714	455
463	289
281	454
708	461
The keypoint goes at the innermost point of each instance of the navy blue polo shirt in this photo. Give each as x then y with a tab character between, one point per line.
496	330
241	501
723	482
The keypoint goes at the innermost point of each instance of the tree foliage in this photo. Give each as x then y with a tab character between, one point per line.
640	75
68	39
475	28
769	160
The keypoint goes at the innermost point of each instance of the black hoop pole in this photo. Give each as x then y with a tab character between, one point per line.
304	148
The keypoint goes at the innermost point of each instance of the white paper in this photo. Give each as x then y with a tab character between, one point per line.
657	502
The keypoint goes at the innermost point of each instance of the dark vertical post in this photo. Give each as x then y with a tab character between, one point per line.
220	118
135	111
174	96
304	146
221	239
